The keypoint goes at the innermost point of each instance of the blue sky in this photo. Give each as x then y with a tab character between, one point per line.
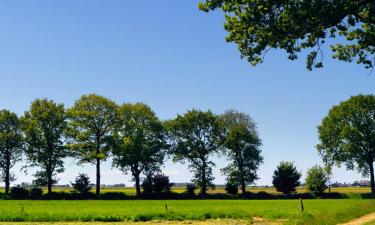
173	57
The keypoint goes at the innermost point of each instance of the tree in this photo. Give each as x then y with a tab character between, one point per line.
242	147
44	126
347	135
41	179
286	178
316	180
293	25
140	141
195	137
90	130
11	146
82	184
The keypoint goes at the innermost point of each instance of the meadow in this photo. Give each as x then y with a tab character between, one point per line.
283	211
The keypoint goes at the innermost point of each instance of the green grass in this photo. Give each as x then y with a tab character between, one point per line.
316	211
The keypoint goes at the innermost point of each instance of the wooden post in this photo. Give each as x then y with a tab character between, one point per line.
166	208
302	207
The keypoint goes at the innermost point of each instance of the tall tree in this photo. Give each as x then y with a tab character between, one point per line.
294	25
140	141
195	137
44	126
11	145
242	146
347	135
90	130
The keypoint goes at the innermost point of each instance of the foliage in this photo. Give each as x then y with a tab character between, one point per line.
347	135
156	184
242	147
190	189
11	146
44	126
36	193
286	178
41	179
194	137
90	132
140	141
231	188
292	25
316	180
82	184
19	193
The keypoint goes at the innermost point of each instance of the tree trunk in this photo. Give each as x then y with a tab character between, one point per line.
49	181
7	174
7	181
371	166
137	184
98	178
204	180
243	186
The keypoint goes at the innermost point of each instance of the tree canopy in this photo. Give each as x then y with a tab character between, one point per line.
140	141
11	145
44	126
195	136
90	130
286	178
242	147
347	135
257	26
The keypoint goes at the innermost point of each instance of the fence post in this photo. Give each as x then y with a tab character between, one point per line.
302	207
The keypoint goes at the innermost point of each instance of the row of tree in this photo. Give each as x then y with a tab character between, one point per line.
96	128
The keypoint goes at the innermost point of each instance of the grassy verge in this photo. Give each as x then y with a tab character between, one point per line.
316	211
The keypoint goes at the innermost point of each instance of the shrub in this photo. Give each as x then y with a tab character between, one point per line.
19	193
316	180
112	196
286	178
190	189
161	184
82	184
231	188
36	193
147	185
156	184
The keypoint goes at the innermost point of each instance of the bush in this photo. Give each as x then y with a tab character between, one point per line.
111	196
156	184
19	193
82	185
231	188
190	189
36	193
161	184
147	185
286	178
316	180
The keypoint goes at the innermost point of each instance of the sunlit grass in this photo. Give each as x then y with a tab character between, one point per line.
332	211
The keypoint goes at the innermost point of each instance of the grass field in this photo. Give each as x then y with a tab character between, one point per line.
288	211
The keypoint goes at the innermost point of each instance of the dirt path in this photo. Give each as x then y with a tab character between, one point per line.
362	220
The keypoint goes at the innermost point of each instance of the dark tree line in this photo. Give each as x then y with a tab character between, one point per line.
96	128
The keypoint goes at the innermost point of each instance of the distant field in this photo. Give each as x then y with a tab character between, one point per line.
131	190
288	211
